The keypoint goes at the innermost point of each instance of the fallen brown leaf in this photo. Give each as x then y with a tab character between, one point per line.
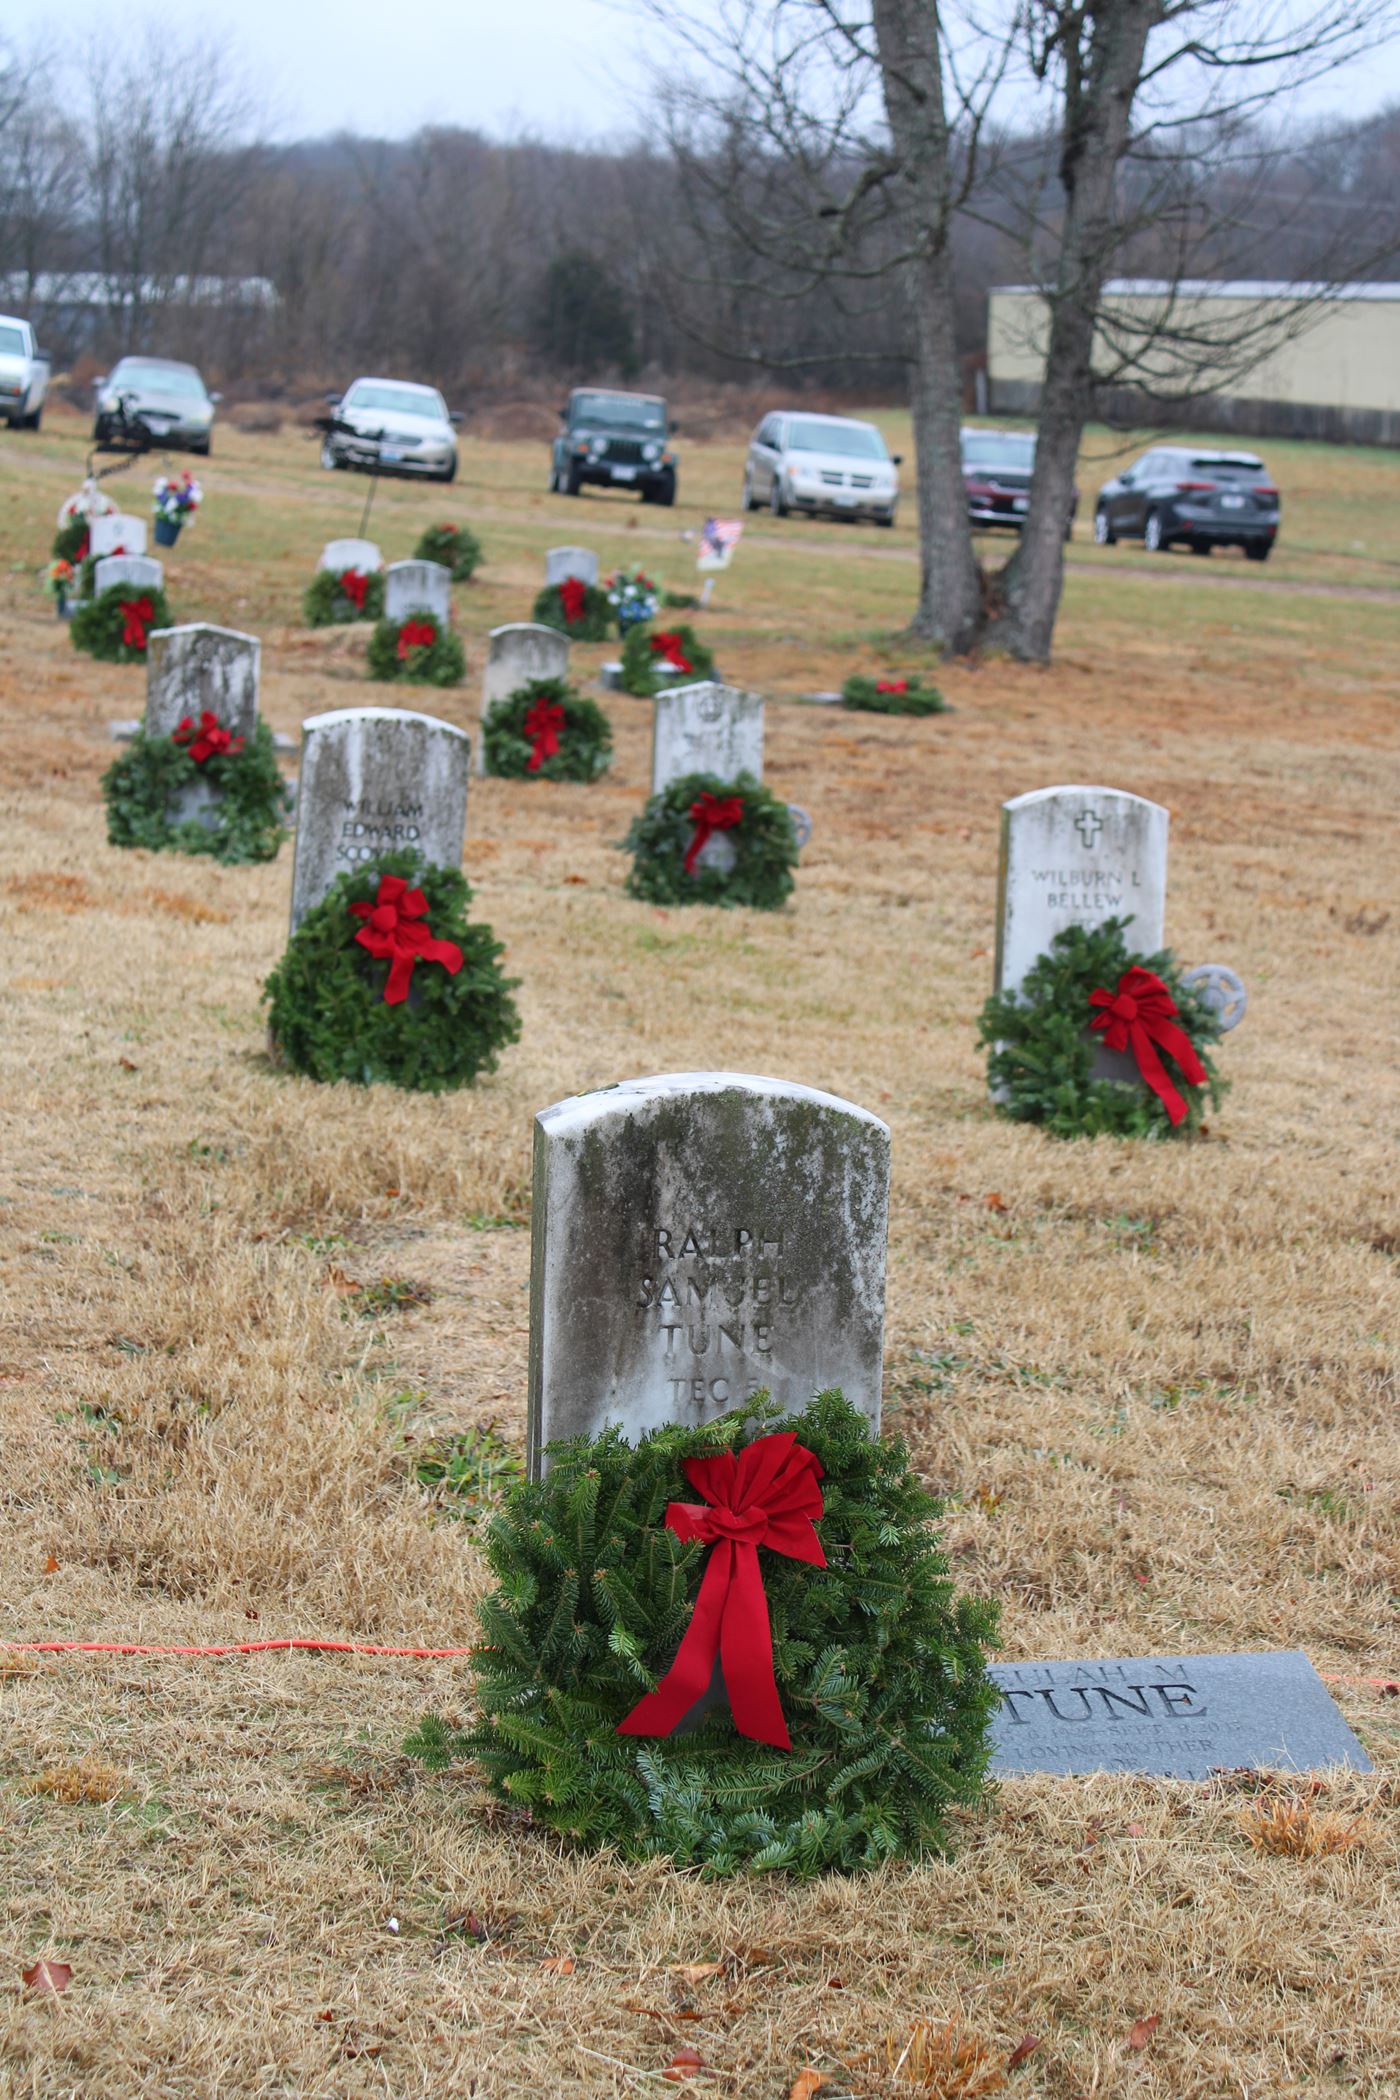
682	2064
51	1978
1142	2031
1027	2046
806	2085
52	1566
559	1965
695	1971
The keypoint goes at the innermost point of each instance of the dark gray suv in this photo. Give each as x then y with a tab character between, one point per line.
614	441
1184	493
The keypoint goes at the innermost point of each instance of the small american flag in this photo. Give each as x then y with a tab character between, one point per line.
718	539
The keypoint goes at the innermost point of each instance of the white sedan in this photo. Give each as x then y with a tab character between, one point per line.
391	424
811	463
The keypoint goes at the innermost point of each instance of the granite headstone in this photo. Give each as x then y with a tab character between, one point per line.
705	728
372	779
117	529
698	1236
189	669
135	572
515	655
340	555
562	562
1178	1716
1074	856
418	586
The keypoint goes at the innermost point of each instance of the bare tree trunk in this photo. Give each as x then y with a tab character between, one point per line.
950	593
1101	80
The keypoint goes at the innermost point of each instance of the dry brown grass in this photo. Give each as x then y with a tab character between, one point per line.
1157	1383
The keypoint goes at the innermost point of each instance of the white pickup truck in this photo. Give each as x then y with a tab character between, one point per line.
24	374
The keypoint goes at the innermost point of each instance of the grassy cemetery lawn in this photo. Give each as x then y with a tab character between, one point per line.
253	1329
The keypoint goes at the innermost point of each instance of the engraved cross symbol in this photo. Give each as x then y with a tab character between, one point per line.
1088	824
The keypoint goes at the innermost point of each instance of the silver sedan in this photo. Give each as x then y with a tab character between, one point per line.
391	424
833	465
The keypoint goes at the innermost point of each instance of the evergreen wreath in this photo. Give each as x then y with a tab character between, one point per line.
664	835
593	615
1041	1058
420	649
879	1663
248	823
327	603
70	542
901	694
117	625
327	1010
452	547
583	739
649	660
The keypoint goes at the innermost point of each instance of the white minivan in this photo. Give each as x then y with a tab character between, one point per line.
832	464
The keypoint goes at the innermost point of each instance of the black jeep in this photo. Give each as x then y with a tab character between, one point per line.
617	441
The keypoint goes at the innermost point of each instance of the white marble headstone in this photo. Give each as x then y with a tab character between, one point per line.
698	1236
705	728
340	555
189	669
117	529
418	586
560	562
1074	856
136	572
514	656
372	779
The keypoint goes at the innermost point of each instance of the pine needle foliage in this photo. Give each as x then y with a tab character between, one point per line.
443	661
764	842
866	695
595	620
325	603
69	539
248	822
585	741
1041	1060
453	547
880	1662
327	1011
646	671
98	625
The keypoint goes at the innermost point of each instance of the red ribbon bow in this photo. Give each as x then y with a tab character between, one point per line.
571	596
543	722
397	931
671	649
1139	1015
83	545
137	615
892	685
416	634
354	583
712	813
209	740
767	1496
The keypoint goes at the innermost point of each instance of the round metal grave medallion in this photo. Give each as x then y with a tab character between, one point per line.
1222	990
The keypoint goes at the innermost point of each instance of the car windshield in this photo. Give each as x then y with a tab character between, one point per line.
620	411
1228	469
397	400
998	448
11	342
852	440
161	379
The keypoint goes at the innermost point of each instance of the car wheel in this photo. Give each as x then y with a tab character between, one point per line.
573	485
665	491
449	472
99	432
1200	546
1104	534
35	420
777	501
330	458
202	447
748	501
1152	535
885	518
1258	550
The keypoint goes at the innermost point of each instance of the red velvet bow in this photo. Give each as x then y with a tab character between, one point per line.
137	615
767	1496
83	545
671	649
892	685
354	583
1139	1016
209	740
712	813
416	634
397	931
543	722
571	597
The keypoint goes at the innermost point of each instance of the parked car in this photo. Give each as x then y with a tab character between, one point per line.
1182	492
158	398
614	441
829	464
392	423
24	374
997	466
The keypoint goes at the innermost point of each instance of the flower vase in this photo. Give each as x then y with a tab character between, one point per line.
167	531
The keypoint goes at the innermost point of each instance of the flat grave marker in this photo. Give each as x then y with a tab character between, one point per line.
372	779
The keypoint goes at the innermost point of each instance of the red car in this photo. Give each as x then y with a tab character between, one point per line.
996	468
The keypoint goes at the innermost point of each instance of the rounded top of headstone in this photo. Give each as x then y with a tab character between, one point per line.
197	627
337	715
581	1111
1076	788
531	627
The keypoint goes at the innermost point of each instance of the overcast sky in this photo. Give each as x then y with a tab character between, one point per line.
559	68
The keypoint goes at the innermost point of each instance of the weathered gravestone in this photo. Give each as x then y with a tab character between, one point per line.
698	1236
418	586
360	555
117	529
515	655
562	562
372	779
705	728
135	572
189	669
1179	1716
